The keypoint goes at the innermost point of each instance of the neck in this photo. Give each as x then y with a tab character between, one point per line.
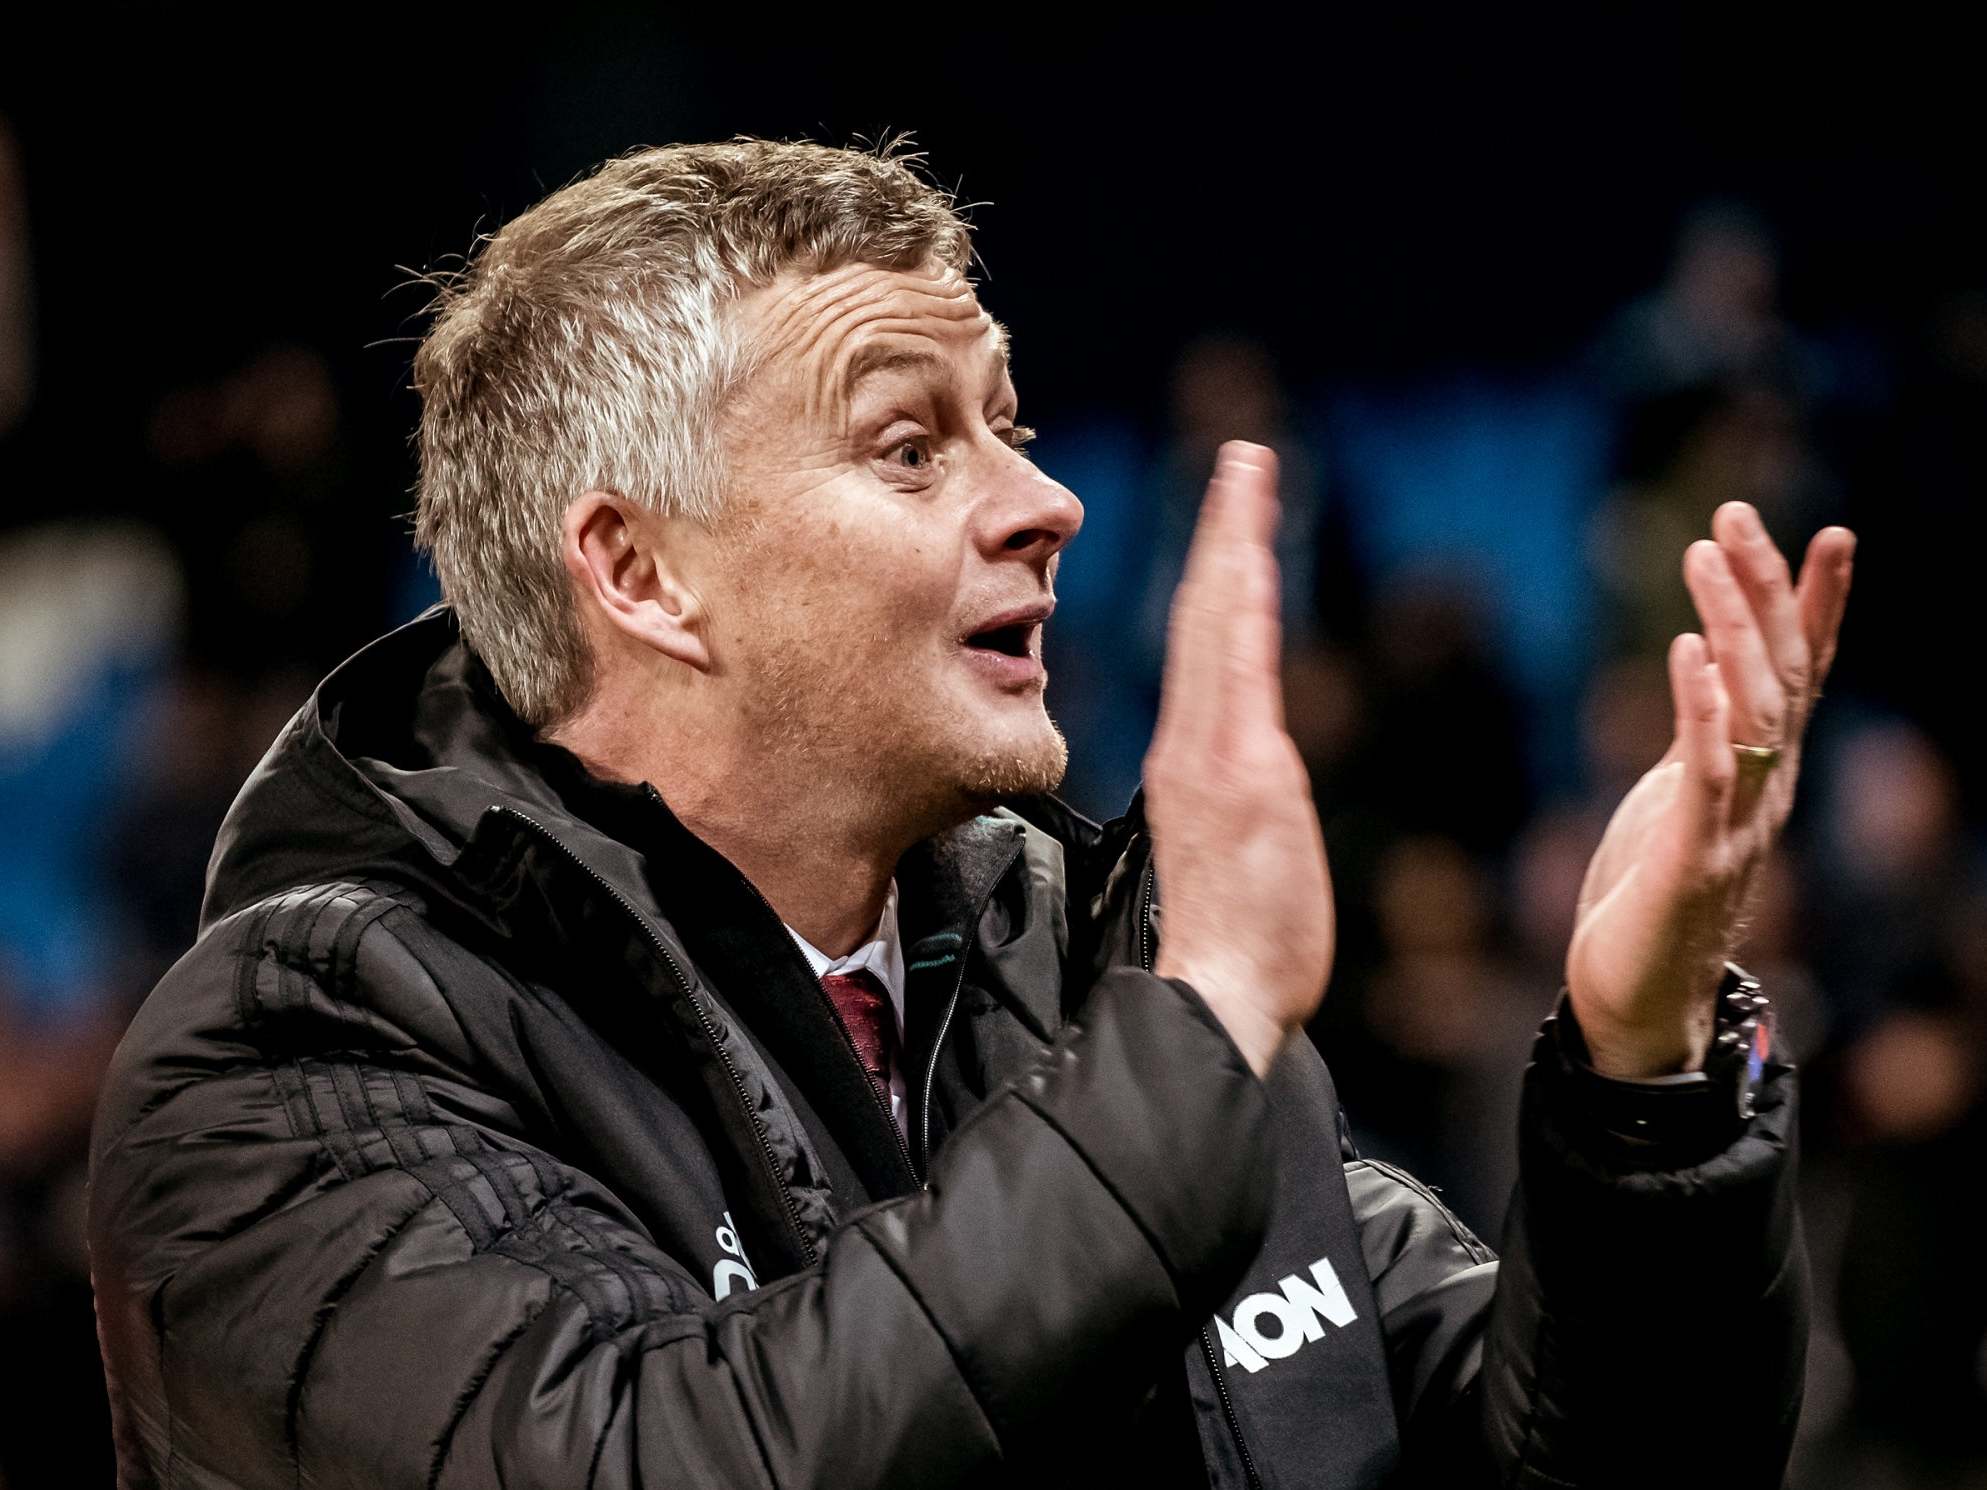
819	849
822	877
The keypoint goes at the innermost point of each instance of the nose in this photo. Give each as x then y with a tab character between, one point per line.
1032	516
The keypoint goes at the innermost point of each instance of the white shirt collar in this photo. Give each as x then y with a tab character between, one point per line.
882	955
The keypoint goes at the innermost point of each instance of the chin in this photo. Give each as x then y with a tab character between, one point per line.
1025	767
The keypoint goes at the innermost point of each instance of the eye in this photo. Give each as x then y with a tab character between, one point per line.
910	455
1016	436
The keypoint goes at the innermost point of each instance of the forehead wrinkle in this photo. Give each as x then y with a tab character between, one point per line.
949	297
813	321
879	356
829	347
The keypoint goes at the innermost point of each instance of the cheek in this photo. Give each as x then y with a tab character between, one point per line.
888	574
850	611
866	582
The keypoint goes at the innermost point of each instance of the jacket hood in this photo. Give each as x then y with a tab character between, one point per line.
402	759
387	769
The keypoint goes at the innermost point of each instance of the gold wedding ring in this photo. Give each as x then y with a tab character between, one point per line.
1756	757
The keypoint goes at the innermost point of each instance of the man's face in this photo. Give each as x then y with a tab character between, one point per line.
886	555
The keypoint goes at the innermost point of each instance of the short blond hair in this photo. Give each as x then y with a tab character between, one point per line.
587	345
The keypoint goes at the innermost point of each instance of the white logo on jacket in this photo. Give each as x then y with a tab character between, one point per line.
1300	1310
729	1274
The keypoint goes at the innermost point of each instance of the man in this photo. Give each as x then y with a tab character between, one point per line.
651	1027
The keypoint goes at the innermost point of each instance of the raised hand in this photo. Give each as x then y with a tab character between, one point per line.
1235	837
1666	896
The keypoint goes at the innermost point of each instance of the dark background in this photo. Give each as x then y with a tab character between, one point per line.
1519	303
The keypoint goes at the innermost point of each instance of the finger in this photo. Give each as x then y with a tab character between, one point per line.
1253	469
1758	706
1254	695
1205	638
1244	477
1761	571
1210	524
1192	650
1823	594
1703	710
1254	692
1192	680
1201	638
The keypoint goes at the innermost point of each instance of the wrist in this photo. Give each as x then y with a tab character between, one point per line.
1642	1051
1259	1040
1254	1033
1668	1120
1642	1055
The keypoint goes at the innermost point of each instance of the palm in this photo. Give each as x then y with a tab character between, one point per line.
1665	896
1641	928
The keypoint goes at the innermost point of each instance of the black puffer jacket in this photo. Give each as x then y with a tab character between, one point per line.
494	1133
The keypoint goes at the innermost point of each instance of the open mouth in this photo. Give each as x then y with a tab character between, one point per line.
1012	640
1006	646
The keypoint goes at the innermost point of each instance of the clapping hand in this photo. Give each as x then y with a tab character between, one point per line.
1235	838
1665	898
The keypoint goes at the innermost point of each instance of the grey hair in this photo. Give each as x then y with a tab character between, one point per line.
587	345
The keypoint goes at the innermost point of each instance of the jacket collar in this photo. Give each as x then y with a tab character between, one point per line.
406	764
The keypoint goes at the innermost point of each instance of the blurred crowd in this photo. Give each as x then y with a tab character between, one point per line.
1480	574
1481	578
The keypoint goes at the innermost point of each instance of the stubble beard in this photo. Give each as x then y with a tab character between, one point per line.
923	784
1020	773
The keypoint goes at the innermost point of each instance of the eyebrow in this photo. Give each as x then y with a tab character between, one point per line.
875	359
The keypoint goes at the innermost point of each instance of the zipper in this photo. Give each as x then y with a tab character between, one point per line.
848	1040
1228	1408
930	1069
1147	888
808	1253
966	944
918	1169
881	1102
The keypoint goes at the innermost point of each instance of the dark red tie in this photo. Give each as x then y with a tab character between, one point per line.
864	1005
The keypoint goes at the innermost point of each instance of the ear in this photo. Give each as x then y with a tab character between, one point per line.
626	575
